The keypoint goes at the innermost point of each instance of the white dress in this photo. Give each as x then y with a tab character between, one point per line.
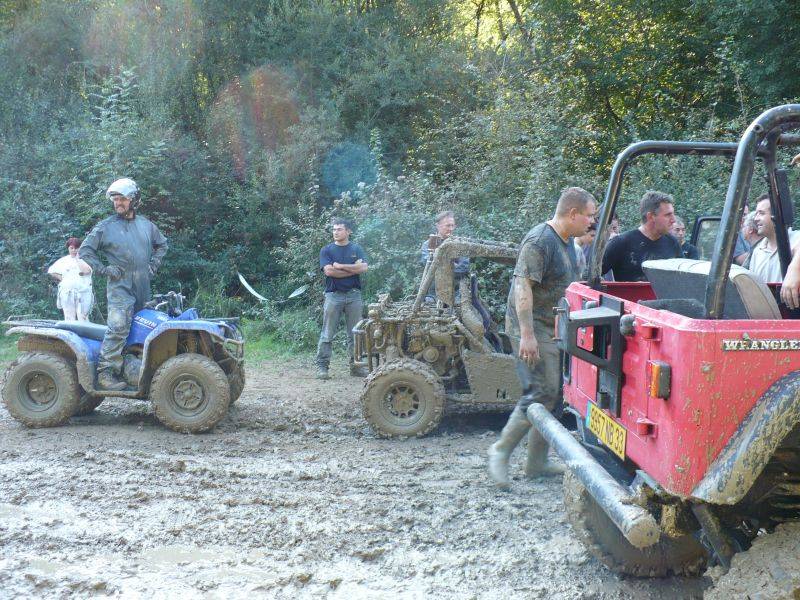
74	290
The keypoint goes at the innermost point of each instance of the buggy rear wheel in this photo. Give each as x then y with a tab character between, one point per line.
682	555
190	393
403	398
41	390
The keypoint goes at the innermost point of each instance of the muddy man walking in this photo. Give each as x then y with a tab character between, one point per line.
546	265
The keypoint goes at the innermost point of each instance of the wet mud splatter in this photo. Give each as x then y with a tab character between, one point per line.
291	496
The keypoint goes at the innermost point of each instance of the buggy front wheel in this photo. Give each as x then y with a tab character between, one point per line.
403	398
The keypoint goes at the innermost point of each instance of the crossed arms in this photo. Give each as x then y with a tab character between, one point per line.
339	270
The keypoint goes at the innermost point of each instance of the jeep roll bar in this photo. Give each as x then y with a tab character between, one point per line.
760	141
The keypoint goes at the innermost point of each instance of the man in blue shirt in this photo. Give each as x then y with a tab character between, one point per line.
342	262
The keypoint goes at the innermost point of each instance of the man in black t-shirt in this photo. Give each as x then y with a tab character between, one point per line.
625	253
342	262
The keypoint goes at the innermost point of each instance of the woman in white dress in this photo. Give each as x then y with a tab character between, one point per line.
74	278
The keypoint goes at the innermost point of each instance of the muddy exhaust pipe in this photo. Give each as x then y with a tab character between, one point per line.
636	523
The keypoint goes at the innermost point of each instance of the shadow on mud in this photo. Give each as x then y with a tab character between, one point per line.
120	412
471	423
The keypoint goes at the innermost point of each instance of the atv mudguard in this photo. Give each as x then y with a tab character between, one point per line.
749	450
162	343
85	351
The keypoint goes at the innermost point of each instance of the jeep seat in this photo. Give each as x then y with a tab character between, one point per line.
683	281
92	331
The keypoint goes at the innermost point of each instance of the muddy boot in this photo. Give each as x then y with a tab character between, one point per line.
537	464
500	452
357	371
322	373
107	381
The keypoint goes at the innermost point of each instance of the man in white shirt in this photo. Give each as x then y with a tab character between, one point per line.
764	260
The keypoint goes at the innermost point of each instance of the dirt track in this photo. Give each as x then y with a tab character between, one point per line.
290	497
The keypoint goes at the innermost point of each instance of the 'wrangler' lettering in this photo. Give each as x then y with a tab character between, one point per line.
760	345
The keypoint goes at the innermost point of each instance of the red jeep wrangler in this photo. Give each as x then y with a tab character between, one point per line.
686	388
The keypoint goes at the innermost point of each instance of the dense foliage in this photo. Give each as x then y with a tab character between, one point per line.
248	124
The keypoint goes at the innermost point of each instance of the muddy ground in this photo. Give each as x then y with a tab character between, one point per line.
290	497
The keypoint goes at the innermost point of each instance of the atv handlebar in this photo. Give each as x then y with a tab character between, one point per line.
171	301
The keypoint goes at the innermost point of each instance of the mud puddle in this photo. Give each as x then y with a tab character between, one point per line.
290	497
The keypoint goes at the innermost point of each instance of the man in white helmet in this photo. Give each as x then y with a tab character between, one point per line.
133	248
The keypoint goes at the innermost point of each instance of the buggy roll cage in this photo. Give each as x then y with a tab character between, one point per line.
759	142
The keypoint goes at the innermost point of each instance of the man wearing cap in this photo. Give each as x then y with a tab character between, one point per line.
133	247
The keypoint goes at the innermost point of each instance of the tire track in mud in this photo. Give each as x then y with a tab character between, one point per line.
291	496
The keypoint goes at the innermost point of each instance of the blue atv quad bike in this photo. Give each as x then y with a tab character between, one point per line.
192	369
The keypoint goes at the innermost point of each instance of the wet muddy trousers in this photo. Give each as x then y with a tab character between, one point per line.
337	304
541	382
120	315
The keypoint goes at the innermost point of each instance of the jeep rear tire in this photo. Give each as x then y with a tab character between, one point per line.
403	398
190	393
681	556
41	390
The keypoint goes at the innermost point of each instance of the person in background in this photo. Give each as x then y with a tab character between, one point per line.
764	260
626	252
343	262
749	231
445	223
790	290
74	277
679	233
583	245
613	227
742	248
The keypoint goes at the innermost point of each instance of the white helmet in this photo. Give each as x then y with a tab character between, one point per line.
124	187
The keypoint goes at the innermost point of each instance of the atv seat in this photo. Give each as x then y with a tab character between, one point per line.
92	331
680	286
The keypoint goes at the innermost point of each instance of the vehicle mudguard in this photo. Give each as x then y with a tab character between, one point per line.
158	345
86	351
749	450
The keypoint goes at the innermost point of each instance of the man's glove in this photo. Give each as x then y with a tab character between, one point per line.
113	272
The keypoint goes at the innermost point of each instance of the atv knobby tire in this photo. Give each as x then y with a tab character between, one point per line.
87	404
190	393
682	556
41	390
769	569
236	382
403	398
